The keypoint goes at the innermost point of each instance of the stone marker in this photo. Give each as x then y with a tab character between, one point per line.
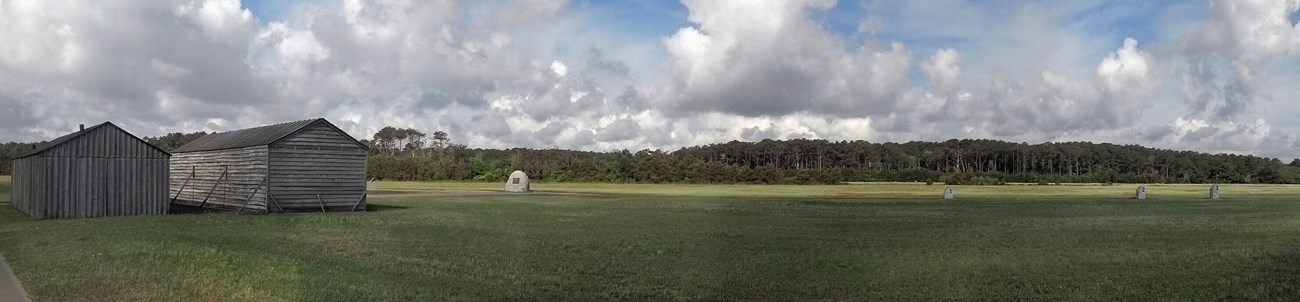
518	183
1214	191
947	193
1142	193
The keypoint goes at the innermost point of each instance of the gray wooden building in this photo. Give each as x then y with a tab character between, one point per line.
95	172
298	166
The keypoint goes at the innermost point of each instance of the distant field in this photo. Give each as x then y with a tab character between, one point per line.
456	241
878	190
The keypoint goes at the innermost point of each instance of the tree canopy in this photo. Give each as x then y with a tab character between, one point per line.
410	154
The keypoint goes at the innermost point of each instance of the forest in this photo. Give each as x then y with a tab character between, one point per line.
411	155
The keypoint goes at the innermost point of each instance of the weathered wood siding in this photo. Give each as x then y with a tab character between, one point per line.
106	172
245	172
317	160
110	142
25	192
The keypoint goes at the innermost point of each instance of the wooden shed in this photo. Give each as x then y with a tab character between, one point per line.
299	166
95	172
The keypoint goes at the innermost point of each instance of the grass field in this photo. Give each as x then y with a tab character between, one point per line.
448	241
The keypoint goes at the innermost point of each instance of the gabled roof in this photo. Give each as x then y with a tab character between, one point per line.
258	136
69	137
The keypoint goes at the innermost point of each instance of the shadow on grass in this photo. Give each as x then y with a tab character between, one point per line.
370	207
184	209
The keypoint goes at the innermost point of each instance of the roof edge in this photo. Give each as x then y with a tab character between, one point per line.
267	140
327	123
71	136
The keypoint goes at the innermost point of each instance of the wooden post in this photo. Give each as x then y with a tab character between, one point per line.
248	200
271	197
186	183
250	196
214	186
322	203
359	200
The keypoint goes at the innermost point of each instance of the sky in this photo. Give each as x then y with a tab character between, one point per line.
1212	76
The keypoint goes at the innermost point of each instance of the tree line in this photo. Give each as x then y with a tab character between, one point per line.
13	150
966	161
803	161
410	154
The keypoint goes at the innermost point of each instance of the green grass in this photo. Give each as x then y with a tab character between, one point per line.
5	181
664	242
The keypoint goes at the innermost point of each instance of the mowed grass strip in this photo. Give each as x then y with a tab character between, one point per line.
481	246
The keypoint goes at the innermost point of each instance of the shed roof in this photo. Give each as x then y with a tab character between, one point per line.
258	136
69	137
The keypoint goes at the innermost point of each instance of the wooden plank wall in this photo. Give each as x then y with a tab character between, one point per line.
79	187
318	160
23	194
246	168
98	174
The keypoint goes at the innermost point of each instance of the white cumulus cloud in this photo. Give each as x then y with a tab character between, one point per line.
544	73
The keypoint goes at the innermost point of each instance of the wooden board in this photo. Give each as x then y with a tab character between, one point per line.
317	161
245	169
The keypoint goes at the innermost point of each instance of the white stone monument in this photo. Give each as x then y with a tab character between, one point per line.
518	183
947	193
1214	191
1142	192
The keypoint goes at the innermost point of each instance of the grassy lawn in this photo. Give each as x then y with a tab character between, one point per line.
668	242
5	181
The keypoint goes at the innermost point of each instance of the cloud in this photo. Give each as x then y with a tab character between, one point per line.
1048	106
524	11
619	130
871	26
123	59
539	73
1248	30
1126	69
1245	137
19	111
943	69
784	64
770	59
1226	56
